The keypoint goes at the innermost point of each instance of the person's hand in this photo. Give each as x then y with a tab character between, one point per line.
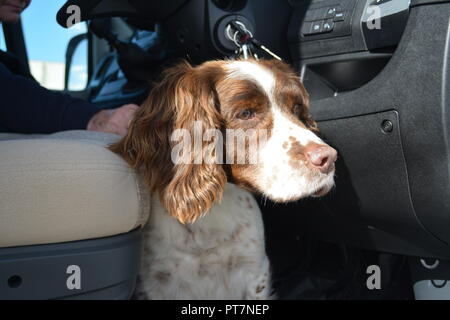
114	120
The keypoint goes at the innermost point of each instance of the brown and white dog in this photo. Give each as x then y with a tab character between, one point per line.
205	237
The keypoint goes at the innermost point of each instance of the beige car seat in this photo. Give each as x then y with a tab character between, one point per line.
70	212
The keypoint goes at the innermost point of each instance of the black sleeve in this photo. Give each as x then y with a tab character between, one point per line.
26	107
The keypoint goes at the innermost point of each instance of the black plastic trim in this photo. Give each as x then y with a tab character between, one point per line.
415	84
426	2
109	268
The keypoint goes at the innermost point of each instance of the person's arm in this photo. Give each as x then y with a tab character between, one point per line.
26	107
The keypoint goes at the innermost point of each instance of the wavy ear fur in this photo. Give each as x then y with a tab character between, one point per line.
184	96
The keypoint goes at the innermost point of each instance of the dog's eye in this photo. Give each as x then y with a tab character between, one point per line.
246	114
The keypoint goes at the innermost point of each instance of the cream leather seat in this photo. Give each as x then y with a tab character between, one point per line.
69	209
64	187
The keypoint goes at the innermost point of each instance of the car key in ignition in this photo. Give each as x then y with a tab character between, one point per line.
237	32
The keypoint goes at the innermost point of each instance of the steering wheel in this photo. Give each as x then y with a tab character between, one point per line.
74	11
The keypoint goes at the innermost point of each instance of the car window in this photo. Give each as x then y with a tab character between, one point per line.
46	43
2	40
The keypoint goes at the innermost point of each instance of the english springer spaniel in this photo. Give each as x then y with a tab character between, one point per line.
205	237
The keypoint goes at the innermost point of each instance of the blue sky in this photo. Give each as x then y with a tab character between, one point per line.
45	39
2	41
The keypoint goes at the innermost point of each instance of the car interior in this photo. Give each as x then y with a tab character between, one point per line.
377	72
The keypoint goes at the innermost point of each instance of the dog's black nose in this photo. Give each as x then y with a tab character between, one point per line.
322	157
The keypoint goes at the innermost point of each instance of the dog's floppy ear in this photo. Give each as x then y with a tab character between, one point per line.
184	98
146	144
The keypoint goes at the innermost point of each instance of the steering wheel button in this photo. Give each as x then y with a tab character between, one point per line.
317	27
328	25
339	16
331	12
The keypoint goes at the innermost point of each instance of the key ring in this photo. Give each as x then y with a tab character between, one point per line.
233	37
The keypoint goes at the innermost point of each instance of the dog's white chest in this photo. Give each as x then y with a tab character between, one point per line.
221	256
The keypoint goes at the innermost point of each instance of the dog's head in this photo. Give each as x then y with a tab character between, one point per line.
211	117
